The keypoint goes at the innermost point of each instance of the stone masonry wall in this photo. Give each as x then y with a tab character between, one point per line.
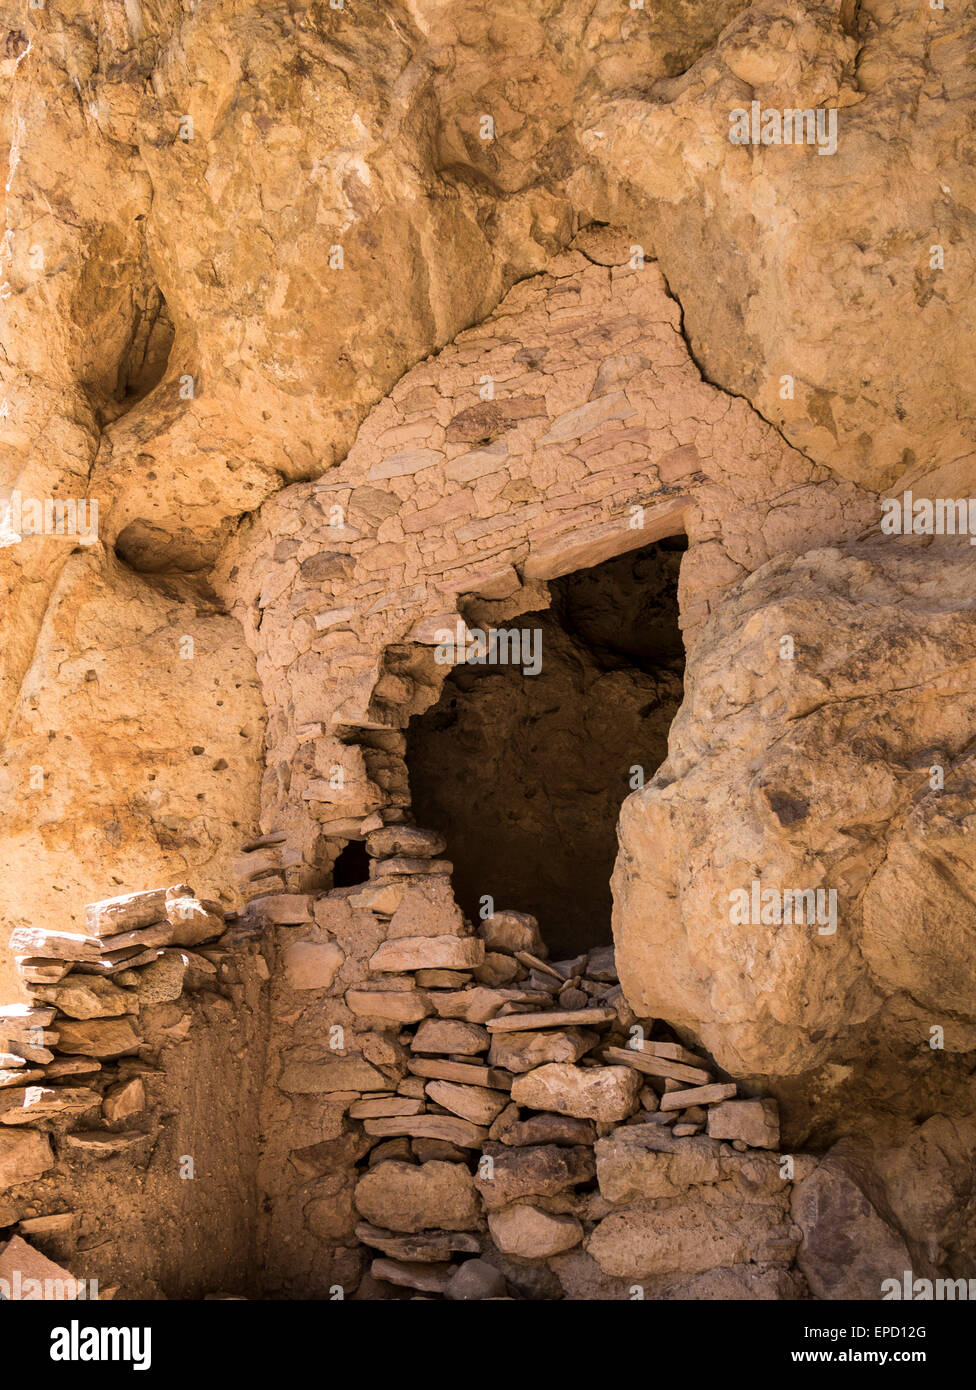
128	1100
599	436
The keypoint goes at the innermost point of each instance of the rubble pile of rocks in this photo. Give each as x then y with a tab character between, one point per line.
70	1063
536	1111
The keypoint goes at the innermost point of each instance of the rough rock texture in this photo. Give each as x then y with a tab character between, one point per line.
359	324
769	285
815	773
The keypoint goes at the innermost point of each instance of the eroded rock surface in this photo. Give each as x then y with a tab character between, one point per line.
358	324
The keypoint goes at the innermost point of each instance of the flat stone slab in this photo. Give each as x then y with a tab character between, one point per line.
413	1274
468	1074
658	1066
385	1107
447	1127
556	1018
100	1144
400	1006
474	1103
27	1105
698	1095
127	912
428	1247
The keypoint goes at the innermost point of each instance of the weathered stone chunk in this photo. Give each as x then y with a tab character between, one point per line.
547	1128
474	1103
109	1037
497	969
24	1156
418	1197
124	1099
693	1233
158	982
450	1035
87	996
520	1052
754	1122
608	1094
426	907
649	1161
193	921
54	945
26	1105
539	1171
127	912
601	965
531	1233
312	964
697	1095
428	1247
399	1006
428	953
23	1267
315	1076
474	1281
512	931
450	1128
410	840
847	1247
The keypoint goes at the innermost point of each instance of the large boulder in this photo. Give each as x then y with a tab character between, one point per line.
827	700
848	1248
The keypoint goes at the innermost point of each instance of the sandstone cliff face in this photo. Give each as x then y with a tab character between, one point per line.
356	322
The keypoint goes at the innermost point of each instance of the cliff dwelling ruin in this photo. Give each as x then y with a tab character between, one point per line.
489	803
523	771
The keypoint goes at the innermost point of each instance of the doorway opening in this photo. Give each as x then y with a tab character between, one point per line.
351	866
524	774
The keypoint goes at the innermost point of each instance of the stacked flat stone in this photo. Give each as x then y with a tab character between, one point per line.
69	1057
526	1080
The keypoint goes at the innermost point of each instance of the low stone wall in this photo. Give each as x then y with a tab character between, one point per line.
450	1114
400	1106
128	1099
